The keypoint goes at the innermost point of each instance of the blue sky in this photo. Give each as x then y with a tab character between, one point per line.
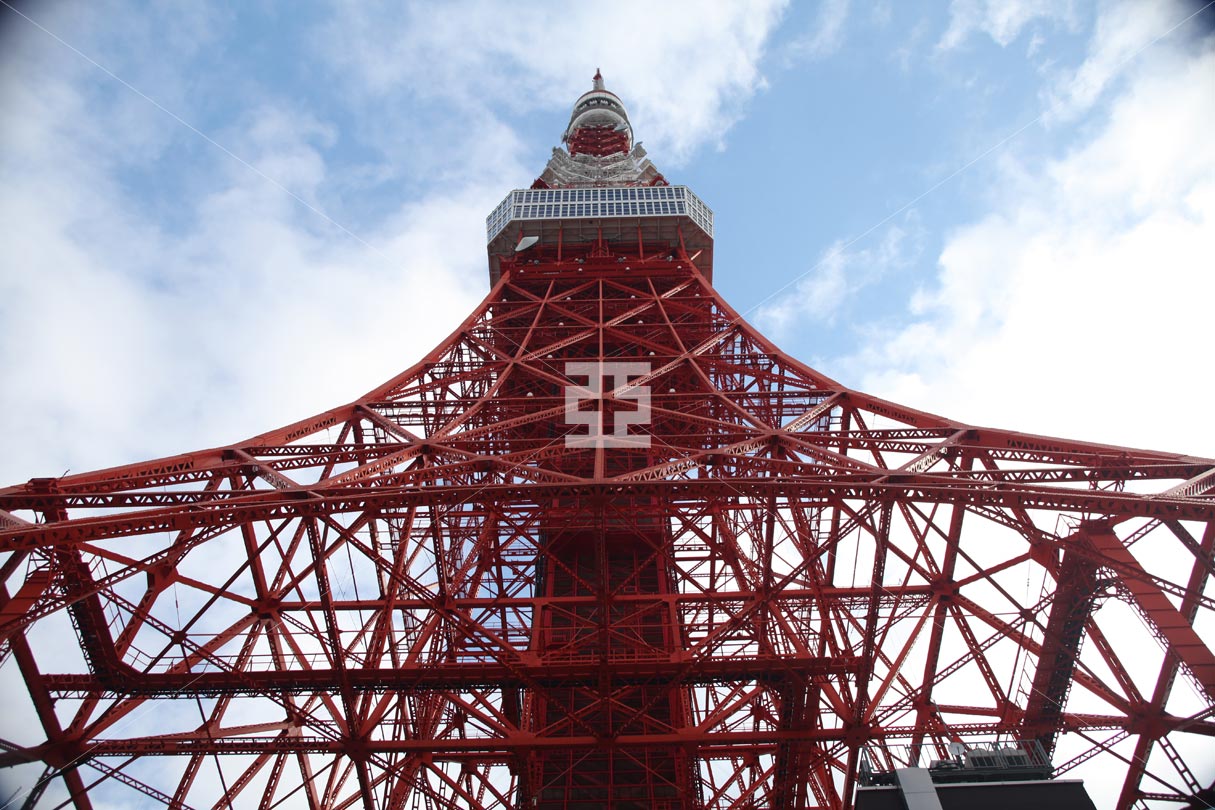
999	211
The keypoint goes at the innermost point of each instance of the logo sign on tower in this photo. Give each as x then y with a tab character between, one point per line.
619	389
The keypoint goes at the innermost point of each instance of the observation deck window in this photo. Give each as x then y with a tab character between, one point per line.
583	203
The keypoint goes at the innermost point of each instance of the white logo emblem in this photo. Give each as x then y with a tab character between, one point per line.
620	389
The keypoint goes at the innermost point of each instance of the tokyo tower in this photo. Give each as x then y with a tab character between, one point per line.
607	546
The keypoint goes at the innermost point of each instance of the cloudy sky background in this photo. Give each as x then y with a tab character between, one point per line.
218	220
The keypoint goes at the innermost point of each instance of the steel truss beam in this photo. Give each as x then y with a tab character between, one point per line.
426	598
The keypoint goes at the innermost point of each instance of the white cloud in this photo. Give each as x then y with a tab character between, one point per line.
1123	30
123	338
1002	20
1080	305
684	69
827	35
822	292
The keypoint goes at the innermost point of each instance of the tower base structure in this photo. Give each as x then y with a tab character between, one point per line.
606	546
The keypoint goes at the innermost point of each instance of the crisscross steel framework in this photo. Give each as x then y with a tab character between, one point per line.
424	598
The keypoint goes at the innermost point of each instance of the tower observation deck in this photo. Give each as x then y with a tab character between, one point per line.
605	191
607	546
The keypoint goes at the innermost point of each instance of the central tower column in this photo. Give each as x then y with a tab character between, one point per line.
600	218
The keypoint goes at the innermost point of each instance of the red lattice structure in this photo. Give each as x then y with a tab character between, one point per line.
723	581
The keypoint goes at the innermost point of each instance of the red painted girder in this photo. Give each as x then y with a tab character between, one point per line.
709	743
527	670
300	503
1173	627
826	593
9	520
160	472
1103	460
519	463
1168	674
13	609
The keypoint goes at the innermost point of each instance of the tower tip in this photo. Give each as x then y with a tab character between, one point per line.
598	80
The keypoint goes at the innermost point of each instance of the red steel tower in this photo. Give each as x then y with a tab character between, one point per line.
606	546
